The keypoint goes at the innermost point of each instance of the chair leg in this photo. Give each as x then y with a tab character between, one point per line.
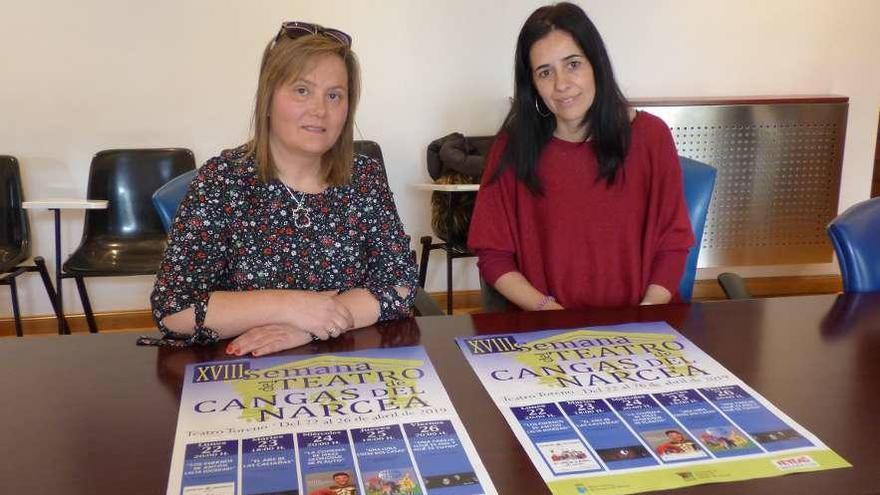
40	264
448	279
423	260
87	306
16	314
450	202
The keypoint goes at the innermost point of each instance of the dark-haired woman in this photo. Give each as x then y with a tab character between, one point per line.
582	201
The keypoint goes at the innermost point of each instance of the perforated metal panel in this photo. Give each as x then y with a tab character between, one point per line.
778	177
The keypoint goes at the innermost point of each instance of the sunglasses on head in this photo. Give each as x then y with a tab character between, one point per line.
295	29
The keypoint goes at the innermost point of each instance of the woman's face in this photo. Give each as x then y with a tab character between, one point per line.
563	76
308	113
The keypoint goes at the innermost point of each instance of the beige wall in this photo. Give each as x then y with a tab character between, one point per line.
82	76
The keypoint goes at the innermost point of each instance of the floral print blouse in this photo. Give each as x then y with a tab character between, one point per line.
234	232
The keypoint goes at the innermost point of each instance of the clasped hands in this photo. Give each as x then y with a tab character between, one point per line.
310	316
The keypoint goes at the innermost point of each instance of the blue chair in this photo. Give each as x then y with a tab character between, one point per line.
855	235
699	182
168	197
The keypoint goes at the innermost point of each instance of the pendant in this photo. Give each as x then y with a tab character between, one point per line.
300	212
301	220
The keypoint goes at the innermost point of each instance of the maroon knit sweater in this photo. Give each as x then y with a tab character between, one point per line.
583	242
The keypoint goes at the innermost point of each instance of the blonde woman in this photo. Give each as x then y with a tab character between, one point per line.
290	237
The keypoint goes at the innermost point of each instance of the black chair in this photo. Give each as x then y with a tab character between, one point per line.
454	248
15	240
734	286
128	237
424	305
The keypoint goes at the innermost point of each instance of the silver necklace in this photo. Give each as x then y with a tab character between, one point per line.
300	211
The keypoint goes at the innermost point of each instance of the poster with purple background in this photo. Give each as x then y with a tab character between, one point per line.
637	407
350	423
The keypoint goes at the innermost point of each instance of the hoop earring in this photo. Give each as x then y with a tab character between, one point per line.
538	109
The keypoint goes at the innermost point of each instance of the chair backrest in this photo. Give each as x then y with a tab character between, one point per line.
14	228
699	182
372	150
855	235
167	198
423	304
127	179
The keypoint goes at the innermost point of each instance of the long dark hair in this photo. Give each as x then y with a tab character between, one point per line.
528	131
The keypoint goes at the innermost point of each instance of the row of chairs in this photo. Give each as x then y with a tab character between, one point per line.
125	239
143	188
855	235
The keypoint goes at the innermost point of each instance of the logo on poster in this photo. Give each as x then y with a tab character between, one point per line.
797	462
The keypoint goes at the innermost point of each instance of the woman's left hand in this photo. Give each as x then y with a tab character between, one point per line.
656	294
267	339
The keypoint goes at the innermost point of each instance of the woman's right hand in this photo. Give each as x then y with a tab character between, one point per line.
319	313
267	339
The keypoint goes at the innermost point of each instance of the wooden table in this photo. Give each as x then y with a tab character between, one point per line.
94	414
56	205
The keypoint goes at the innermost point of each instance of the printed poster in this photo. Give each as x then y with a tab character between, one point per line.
637	407
372	422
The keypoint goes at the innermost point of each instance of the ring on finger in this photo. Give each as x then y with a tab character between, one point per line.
333	331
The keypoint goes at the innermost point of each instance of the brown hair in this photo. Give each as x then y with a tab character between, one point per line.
284	60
